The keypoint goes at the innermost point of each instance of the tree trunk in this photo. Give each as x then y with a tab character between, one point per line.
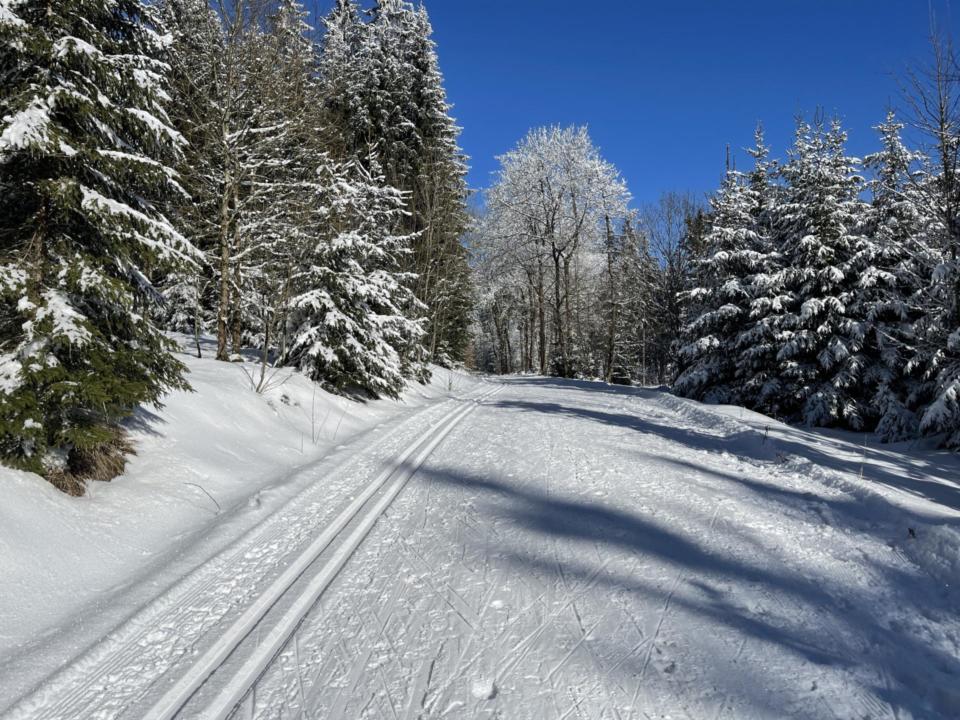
558	311
223	306
542	319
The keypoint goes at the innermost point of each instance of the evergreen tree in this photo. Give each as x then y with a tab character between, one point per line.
756	345
350	308
86	150
344	74
892	265
818	225
196	55
382	87
723	298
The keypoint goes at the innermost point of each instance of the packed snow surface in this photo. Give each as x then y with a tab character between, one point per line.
209	465
568	550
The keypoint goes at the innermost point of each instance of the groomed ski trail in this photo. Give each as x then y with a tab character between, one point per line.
153	664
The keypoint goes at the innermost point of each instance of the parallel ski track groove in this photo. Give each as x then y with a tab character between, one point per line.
277	637
127	641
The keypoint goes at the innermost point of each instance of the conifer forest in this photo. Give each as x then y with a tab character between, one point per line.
304	416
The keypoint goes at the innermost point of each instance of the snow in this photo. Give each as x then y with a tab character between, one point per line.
10	378
580	550
7	15
565	549
67	322
157	126
208	465
26	128
72	45
162	235
483	688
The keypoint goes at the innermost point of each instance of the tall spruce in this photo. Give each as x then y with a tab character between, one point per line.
893	265
86	155
350	306
383	88
723	297
818	225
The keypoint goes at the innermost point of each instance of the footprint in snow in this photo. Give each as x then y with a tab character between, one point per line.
483	689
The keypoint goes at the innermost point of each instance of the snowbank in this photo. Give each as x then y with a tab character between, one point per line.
911	488
201	460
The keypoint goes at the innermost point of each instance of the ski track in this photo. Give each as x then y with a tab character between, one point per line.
523	569
113	679
556	550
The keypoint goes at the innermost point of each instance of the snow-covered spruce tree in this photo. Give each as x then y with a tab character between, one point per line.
723	298
818	225
390	91
756	347
894	267
350	308
344	77
381	85
438	206
85	154
196	55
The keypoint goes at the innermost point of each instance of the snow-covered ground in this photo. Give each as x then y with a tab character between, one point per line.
533	548
209	465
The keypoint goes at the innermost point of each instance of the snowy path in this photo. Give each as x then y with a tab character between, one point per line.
558	550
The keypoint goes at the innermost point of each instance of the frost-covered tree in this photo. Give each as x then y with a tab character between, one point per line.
548	212
86	150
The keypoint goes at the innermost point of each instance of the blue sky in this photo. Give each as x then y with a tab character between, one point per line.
664	86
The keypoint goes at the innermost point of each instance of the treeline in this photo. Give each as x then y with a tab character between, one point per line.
822	289
830	299
176	166
571	280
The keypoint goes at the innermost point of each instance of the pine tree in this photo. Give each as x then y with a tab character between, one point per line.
85	161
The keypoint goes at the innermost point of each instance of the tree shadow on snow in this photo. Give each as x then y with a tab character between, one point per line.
144	421
930	474
845	635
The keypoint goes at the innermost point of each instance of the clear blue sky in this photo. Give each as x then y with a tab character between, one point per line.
664	85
